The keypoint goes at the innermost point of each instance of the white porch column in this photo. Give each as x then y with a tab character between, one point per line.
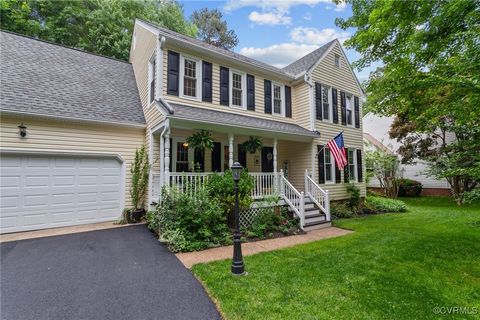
167	157
230	150
275	178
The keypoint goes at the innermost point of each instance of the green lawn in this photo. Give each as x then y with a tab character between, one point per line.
394	266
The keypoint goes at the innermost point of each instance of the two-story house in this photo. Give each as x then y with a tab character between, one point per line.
71	122
187	85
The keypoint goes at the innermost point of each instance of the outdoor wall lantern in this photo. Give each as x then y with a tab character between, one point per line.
238	267
22	130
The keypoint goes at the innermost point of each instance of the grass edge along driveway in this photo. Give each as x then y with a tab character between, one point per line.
395	266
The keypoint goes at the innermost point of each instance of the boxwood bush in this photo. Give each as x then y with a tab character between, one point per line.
409	188
380	204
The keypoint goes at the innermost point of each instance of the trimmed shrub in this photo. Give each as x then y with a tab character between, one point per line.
340	210
409	188
380	204
471	196
268	222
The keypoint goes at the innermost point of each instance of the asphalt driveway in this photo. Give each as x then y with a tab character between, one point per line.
122	273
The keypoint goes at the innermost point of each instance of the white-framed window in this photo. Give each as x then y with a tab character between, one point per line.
190	77
181	163
326	103
278	100
329	166
151	78
352	164
238	92
337	60
349	104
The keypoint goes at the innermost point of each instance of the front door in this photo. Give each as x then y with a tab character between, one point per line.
267	159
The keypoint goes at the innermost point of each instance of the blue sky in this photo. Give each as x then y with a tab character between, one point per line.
280	31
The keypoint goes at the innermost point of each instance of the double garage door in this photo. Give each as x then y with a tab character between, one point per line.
47	191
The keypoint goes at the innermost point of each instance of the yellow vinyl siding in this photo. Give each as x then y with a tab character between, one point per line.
78	137
301	104
215	104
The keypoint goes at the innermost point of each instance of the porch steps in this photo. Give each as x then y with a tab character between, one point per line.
314	217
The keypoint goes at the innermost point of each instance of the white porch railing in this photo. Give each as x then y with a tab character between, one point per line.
318	195
265	184
294	198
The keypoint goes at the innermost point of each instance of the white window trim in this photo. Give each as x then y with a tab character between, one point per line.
150	76
332	159
330	106
354	164
134	40
244	89
352	106
175	140
282	96
339	61
198	90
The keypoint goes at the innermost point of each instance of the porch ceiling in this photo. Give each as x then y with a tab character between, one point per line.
201	118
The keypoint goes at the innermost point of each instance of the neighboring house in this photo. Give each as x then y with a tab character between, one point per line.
376	130
87	110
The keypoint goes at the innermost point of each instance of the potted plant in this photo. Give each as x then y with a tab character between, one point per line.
253	144
140	169
200	140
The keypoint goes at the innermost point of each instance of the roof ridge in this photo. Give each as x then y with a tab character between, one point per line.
213	47
64	46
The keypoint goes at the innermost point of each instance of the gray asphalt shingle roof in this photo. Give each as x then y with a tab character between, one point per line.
306	62
42	78
238	120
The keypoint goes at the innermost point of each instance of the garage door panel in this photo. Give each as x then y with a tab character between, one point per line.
50	191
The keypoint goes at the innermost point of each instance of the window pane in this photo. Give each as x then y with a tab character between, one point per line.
326	105
182	157
189	79
349	110
328	172
277	99
351	164
237	89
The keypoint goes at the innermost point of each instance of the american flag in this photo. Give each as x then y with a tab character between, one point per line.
337	148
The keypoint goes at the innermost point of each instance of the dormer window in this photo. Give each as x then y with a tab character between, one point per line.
151	79
237	89
190	73
277	99
337	61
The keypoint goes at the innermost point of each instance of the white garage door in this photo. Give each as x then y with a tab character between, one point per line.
43	191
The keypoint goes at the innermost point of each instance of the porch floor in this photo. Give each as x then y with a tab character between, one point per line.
249	248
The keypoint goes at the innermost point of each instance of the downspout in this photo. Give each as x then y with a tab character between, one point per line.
308	80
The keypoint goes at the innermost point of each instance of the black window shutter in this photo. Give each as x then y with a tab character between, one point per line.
224	83
338	177
288	102
321	164
267	84
343	107
206	81
173	72
346	178
318	101
242	155
357	112
250	92
359	166
335	105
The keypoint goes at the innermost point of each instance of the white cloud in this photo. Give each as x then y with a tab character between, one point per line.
317	37
307	16
341	6
279	55
269	18
281	5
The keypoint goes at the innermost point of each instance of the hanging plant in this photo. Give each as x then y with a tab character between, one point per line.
201	140
253	144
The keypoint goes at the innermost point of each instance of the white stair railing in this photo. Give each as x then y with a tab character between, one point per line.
294	198
319	196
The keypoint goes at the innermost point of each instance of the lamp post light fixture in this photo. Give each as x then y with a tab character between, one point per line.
238	267
22	130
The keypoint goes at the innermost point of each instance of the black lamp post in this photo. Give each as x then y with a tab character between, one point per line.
237	263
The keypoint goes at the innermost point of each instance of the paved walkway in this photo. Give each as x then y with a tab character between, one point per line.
249	248
114	274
